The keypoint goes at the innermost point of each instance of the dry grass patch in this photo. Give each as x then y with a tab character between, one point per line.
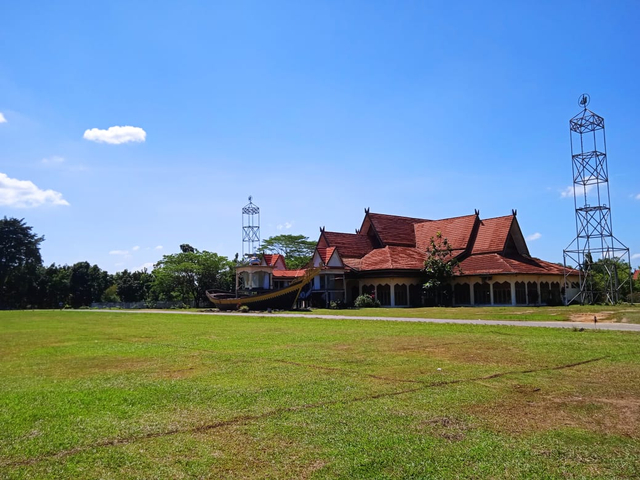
600	399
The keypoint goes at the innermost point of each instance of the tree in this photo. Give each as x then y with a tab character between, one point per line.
296	249
133	286
55	290
187	275
609	279
440	268
19	261
87	284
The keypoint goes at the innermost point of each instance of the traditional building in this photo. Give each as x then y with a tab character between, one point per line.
386	255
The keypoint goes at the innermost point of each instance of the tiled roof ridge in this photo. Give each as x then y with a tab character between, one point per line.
401	216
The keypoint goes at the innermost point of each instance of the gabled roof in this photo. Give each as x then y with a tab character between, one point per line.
325	254
390	242
494	263
393	258
393	229
456	230
271	259
350	245
492	235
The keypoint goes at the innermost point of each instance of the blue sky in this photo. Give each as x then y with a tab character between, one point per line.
317	109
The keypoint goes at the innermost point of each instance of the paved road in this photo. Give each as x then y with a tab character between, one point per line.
630	327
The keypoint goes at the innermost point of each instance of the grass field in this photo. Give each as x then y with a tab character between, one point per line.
115	395
609	313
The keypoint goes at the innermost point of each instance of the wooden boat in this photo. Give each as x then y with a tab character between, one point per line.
281	299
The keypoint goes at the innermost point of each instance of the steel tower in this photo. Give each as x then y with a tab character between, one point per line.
595	250
250	228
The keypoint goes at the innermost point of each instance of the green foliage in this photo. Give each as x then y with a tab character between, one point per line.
439	269
187	275
244	309
87	284
604	269
296	249
134	286
110	295
366	301
19	262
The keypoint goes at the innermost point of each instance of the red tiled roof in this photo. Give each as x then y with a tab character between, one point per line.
271	259
456	230
492	235
395	230
325	254
494	263
349	244
288	273
393	258
636	274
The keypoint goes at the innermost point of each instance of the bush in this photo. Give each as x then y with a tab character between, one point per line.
366	301
244	309
337	305
633	297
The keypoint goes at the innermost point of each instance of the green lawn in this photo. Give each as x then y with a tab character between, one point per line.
615	313
116	395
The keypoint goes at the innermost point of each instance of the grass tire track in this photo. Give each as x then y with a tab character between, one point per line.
243	419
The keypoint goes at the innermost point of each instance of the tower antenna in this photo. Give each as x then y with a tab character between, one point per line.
595	251
250	228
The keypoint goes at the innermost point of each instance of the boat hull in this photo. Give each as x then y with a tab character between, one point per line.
282	299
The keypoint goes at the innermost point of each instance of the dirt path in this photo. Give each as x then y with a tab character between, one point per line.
587	325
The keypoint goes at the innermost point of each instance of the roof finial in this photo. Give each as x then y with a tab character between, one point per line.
366	210
514	212
477	212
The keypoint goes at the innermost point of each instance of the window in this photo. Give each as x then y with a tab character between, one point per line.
521	293
415	295
481	293
400	294
532	290
501	293
545	292
461	294
368	290
384	294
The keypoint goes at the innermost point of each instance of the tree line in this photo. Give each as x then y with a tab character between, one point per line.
183	277
26	283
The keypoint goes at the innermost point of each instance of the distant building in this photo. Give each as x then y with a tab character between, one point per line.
386	255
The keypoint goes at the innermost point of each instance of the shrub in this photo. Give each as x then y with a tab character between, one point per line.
634	297
337	305
244	309
366	301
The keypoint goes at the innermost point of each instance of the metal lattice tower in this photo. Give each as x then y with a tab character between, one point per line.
250	228
595	248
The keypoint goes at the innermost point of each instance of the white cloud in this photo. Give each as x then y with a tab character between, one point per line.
116	135
25	194
568	192
159	247
2	119
136	248
148	266
534	236
55	160
635	256
638	196
119	252
286	226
